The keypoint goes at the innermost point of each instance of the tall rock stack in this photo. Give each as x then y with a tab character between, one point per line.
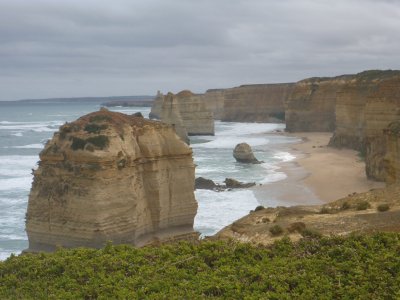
311	104
196	116
171	114
111	177
156	108
392	156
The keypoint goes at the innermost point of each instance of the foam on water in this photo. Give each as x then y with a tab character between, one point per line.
31	146
20	183
219	209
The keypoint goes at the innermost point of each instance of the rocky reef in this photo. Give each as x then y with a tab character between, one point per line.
365	106
311	104
111	177
256	103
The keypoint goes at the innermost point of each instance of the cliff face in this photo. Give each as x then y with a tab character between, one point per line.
109	176
392	156
256	103
311	104
170	114
365	107
196	116
214	100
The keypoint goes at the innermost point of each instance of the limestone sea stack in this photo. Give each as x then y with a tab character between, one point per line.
111	177
170	114
155	112
244	154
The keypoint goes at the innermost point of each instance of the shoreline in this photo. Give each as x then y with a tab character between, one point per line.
319	174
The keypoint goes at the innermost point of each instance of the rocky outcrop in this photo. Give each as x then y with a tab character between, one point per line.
111	177
244	154
365	106
256	103
311	104
170	114
202	183
392	155
374	211
196	116
235	184
155	112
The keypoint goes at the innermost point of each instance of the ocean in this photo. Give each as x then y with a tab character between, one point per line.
25	128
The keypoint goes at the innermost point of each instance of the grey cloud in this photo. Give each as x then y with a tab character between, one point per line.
98	47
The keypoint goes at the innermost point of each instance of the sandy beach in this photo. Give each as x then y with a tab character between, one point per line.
319	174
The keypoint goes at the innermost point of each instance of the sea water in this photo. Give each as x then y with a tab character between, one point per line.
26	127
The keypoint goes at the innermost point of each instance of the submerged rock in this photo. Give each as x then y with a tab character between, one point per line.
111	177
235	184
244	154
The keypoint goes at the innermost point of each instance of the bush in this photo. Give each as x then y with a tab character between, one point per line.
94	128
311	233
346	205
78	143
367	266
363	205
100	141
276	230
297	227
383	207
260	207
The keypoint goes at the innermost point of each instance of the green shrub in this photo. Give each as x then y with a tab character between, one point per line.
297	227
94	128
346	205
260	207
311	233
363	205
100	141
78	143
383	207
276	230
100	118
353	267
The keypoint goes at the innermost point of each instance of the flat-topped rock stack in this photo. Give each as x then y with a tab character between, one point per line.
111	177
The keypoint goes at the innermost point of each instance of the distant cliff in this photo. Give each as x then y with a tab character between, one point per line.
311	104
365	106
256	103
111	177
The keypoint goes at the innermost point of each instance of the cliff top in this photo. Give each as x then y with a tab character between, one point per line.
185	93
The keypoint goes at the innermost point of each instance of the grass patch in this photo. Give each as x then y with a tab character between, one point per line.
78	144
100	118
100	141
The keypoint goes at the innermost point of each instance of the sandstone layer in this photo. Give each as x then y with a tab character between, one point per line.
111	177
256	103
311	104
365	106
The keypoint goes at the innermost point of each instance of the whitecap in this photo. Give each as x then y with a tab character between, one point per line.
18	161
19	183
219	209
30	146
231	142
284	156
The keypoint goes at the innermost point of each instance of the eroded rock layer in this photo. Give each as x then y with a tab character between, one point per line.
111	177
256	103
311	104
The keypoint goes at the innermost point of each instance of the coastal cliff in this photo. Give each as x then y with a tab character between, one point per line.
214	100
311	104
197	118
256	103
365	106
111	177
392	156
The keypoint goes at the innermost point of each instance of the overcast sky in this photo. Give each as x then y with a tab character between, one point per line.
68	48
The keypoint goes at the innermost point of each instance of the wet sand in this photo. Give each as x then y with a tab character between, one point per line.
319	174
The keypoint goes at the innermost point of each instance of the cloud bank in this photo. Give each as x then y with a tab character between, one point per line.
126	47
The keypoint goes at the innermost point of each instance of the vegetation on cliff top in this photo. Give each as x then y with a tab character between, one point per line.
356	267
